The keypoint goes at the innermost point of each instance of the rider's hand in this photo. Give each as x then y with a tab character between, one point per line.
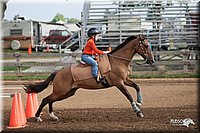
109	49
106	52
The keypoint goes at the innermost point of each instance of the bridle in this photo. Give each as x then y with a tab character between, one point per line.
144	52
141	42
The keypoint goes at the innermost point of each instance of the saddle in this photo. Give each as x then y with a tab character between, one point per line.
83	71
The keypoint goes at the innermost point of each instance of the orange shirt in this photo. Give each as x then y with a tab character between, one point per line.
90	48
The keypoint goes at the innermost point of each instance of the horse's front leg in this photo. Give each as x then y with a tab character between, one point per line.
123	89
130	83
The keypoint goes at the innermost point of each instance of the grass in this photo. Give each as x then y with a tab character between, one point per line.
12	51
13	68
24	77
43	76
181	75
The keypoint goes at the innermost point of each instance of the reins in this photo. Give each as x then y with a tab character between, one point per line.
119	57
126	59
129	60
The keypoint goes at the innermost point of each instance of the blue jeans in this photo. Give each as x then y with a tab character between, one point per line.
89	60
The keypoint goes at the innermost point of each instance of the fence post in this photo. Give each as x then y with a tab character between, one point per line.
18	63
185	63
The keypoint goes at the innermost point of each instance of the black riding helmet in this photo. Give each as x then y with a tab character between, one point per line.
93	31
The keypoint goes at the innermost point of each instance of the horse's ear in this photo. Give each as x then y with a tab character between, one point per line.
141	36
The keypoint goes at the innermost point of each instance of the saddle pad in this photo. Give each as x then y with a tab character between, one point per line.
80	72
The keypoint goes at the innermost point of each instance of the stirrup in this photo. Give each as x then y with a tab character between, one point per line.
105	83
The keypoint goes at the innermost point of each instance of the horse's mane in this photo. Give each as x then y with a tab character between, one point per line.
123	44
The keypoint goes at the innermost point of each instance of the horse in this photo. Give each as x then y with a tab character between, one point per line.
187	122
119	58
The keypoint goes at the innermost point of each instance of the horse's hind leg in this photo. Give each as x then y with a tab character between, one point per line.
44	102
68	94
51	112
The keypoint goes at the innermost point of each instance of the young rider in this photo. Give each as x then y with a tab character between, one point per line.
90	51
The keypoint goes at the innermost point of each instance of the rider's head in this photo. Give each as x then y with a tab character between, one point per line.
93	32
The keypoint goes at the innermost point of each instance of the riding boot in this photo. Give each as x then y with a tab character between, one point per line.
98	79
102	80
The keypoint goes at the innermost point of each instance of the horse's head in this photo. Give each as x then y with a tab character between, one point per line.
188	121
144	50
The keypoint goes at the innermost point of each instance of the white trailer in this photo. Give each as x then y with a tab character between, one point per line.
21	34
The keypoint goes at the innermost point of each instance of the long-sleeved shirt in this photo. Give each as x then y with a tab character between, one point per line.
90	48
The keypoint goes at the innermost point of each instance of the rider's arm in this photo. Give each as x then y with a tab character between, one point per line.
93	46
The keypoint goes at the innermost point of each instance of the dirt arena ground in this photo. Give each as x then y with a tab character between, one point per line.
109	111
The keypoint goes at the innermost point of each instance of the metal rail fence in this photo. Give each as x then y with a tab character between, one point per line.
182	60
167	24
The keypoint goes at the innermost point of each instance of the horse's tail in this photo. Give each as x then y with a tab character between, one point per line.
38	87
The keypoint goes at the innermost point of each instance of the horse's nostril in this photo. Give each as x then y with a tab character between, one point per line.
152	61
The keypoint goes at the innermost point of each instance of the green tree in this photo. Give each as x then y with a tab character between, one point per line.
72	20
59	17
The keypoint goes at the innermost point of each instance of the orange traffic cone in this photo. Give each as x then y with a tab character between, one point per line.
29	50
21	109
35	102
29	106
15	120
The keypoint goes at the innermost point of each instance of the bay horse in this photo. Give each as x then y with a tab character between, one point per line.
120	58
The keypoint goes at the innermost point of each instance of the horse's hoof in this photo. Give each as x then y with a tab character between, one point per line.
139	105
140	114
38	119
53	117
